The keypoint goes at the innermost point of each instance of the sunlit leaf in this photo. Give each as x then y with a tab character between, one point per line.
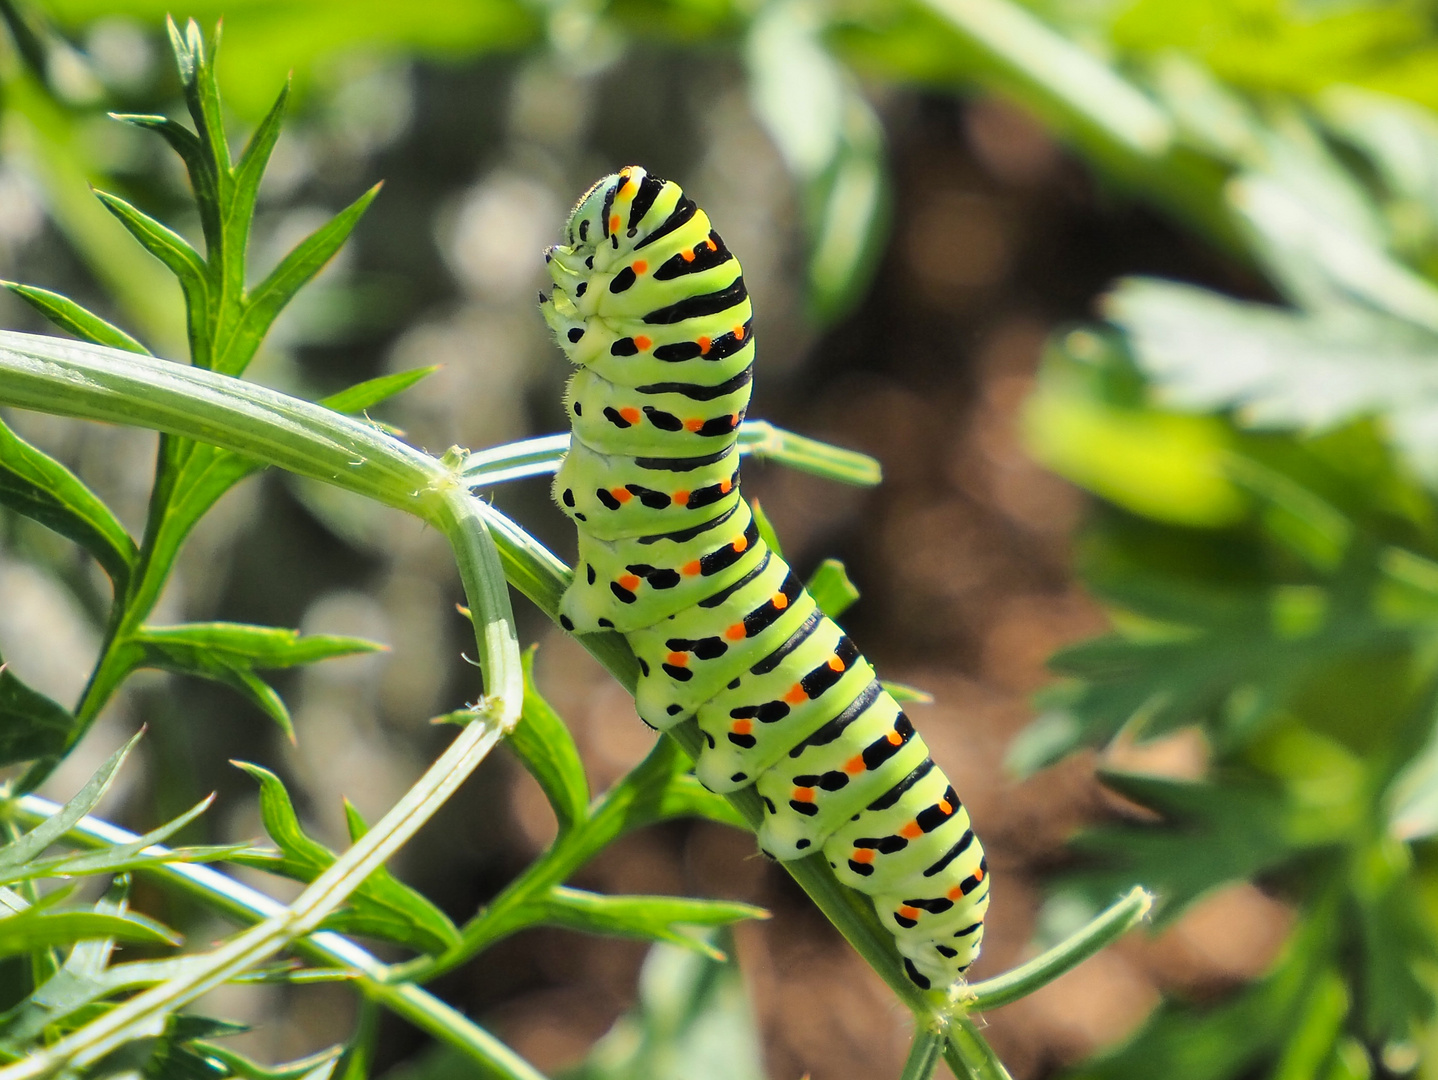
831	588
655	918
766	528
30	846
72	318
36	928
381	907
545	747
371	392
230	653
36	485
268	298
902	692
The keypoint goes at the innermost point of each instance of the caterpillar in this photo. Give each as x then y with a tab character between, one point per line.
652	307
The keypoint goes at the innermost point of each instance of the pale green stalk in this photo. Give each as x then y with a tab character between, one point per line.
248	905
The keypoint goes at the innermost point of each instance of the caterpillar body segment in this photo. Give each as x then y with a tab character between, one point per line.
651	306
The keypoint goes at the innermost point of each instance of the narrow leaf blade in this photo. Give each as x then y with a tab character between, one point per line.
831	588
74	319
545	747
371	392
36	485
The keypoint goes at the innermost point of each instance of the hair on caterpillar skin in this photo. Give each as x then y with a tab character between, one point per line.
652	307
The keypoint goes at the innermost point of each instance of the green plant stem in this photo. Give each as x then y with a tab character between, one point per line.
247	905
1111	925
970	1055
541	456
925	1054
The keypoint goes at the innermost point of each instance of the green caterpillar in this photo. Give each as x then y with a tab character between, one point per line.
652	306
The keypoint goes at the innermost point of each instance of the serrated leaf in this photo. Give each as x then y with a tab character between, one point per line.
1280	369
258	646
31	725
654	918
831	588
74	319
546	749
371	392
36	485
381	907
35	928
267	299
230	653
32	844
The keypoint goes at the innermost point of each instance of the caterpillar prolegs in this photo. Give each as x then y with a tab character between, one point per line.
652	306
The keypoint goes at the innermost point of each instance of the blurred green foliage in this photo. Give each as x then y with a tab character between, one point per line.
1265	529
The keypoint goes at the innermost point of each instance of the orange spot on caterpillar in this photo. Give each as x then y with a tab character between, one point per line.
711	245
642	343
862	855
678	659
691	568
724	486
703	344
693	425
979	874
796	695
743	727
739	545
681	498
855	765
779	600
614	223
909	913
835	664
621	494
956	892
736	632
734	419
630	413
628	581
945	807
687	256
639	267
895	738
803	794
911	830
738	333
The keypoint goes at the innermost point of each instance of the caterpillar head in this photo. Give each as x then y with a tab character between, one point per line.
594	217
